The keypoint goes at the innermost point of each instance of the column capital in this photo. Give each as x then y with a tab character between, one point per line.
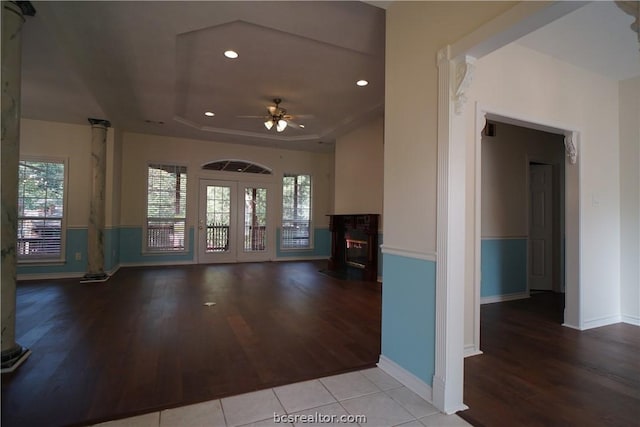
26	7
99	122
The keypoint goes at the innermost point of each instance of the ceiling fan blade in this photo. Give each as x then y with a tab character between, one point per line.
293	124
250	117
304	116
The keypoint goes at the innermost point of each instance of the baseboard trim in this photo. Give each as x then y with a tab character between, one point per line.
17	362
114	270
63	275
471	350
503	298
302	258
567	325
632	320
601	321
405	377
156	264
50	276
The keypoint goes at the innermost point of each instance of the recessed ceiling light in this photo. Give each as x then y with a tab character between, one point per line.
302	126
362	83
232	54
209	114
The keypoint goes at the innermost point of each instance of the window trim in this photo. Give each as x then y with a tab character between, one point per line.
145	227
311	245
62	258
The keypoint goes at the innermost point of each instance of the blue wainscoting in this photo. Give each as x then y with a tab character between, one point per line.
131	249
321	246
123	245
76	242
409	314
111	249
504	266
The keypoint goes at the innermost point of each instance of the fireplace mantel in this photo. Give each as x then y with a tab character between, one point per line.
354	244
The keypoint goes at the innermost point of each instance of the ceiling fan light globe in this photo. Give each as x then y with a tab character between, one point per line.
282	125
268	124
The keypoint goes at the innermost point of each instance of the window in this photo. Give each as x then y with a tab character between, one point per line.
166	207
296	211
40	209
237	166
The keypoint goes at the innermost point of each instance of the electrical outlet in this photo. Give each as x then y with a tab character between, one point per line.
78	256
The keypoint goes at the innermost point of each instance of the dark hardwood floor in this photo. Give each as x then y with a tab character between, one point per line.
145	341
535	372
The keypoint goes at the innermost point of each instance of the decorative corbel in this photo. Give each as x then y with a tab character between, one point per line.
443	55
632	8
571	149
482	123
463	77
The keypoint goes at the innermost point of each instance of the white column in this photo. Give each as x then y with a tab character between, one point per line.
12	19
95	234
448	379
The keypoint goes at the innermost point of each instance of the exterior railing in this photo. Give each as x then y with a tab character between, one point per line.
295	234
217	238
38	240
167	236
255	238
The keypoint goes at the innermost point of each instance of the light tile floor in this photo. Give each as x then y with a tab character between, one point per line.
371	393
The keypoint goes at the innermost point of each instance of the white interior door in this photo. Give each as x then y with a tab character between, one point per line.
540	227
234	222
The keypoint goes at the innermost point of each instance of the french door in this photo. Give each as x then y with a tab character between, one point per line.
234	223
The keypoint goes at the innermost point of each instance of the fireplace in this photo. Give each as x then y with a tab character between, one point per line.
354	245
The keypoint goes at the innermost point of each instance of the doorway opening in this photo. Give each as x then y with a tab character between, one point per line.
520	216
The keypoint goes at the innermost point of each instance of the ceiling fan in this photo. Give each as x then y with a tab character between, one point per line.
278	117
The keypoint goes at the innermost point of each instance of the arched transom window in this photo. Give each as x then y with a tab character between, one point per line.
229	165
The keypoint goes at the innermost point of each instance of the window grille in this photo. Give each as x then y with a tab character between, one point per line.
166	207
296	211
40	209
237	166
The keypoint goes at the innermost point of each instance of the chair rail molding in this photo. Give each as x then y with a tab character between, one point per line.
408	253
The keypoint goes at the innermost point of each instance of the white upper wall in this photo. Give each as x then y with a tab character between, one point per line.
359	167
70	142
415	33
138	150
522	83
505	159
630	199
